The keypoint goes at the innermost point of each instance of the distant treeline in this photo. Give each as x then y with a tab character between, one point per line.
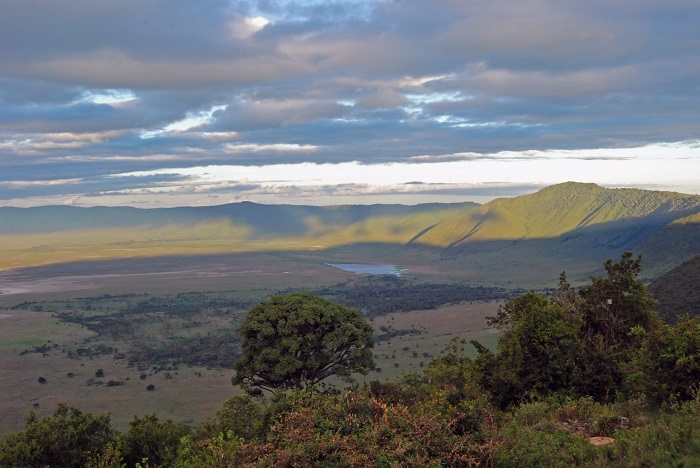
214	350
389	294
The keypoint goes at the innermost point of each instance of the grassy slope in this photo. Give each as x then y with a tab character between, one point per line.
557	210
297	228
677	291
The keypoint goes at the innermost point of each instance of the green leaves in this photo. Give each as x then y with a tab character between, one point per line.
667	365
574	342
70	437
298	340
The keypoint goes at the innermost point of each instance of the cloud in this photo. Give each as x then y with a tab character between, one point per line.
277	147
268	83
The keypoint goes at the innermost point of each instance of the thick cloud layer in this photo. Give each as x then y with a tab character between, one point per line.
93	90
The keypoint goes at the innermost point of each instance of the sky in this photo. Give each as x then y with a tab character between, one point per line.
158	103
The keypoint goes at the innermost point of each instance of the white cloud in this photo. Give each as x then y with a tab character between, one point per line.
108	96
243	28
191	121
275	147
609	167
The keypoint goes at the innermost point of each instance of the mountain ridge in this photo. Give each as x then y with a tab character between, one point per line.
561	224
558	210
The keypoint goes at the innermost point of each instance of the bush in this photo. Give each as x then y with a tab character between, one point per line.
242	416
69	437
151	440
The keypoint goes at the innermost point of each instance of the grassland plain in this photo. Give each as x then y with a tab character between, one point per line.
187	398
36	342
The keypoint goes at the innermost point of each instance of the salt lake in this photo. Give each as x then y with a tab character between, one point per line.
369	269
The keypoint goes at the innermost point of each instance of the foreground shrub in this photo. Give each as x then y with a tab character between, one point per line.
69	437
152	442
667	366
355	429
554	433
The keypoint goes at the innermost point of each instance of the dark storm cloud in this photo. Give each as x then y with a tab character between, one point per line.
89	89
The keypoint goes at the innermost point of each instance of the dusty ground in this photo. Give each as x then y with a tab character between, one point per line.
164	275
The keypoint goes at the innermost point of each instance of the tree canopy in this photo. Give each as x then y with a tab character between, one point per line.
69	437
572	342
298	340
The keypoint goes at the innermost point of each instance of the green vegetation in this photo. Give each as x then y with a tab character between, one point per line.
69	437
677	291
298	340
383	295
560	209
573	369
578	343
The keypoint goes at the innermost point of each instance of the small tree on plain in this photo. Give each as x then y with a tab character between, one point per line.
298	340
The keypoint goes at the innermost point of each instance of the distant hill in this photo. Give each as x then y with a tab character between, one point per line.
57	234
678	291
574	219
572	226
559	210
264	220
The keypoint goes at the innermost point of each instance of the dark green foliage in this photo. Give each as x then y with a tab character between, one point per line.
218	349
667	365
381	295
539	352
572	343
614	311
614	305
298	340
242	416
69	437
151	442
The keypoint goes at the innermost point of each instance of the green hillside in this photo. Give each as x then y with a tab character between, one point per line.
559	210
677	291
261	220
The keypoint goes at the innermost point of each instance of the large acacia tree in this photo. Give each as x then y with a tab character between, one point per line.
297	340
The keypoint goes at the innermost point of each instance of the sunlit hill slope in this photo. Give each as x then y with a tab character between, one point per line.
558	210
571	226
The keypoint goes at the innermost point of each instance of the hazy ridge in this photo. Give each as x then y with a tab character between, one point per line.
582	224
